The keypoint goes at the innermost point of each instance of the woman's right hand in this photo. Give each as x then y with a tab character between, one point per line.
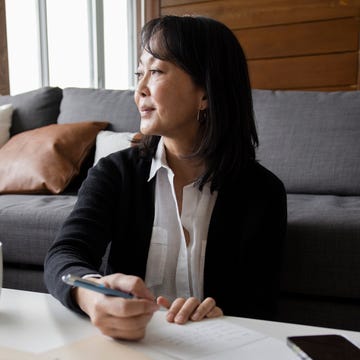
117	317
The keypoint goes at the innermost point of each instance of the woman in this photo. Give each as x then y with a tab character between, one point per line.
192	220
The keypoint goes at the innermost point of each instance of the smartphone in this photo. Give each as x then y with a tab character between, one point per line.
324	347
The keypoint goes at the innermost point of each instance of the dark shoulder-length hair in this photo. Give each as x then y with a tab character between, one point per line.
211	54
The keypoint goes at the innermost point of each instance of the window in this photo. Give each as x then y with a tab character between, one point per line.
23	45
82	43
68	43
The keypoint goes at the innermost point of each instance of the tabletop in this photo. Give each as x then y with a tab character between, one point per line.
37	322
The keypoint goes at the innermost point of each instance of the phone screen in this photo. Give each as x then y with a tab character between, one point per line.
324	347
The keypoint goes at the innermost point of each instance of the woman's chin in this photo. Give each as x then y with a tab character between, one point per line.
146	129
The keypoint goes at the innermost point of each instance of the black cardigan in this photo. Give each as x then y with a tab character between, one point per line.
115	207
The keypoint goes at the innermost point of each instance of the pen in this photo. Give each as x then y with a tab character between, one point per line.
91	285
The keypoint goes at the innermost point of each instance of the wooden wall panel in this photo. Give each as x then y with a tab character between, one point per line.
290	44
238	14
305	72
152	9
4	69
320	37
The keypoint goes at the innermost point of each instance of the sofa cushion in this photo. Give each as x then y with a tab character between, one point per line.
115	106
310	139
46	159
322	249
28	278
34	108
5	122
29	224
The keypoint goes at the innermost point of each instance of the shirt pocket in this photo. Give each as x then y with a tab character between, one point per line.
155	268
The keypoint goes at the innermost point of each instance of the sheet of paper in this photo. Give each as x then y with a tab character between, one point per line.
93	348
215	339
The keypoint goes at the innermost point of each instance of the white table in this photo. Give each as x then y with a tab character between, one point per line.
36	322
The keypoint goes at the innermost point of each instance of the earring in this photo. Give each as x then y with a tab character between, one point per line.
201	116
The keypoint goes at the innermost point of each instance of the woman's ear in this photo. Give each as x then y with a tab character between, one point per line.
203	103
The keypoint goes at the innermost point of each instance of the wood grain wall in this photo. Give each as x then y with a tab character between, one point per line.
289	44
4	69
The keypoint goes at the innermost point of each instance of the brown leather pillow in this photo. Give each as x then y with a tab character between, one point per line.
46	159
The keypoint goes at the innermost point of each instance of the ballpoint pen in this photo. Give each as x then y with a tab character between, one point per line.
91	285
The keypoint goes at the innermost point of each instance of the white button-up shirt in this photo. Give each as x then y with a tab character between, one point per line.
174	269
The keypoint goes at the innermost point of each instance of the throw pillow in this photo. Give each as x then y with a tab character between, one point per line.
46	159
5	123
108	142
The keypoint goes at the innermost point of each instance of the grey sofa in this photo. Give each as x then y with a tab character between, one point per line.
29	222
309	139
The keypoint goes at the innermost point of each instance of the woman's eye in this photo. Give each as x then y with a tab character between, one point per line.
155	71
138	75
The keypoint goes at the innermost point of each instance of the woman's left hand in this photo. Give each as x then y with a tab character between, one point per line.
182	310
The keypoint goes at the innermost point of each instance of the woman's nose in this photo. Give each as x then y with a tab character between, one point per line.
142	88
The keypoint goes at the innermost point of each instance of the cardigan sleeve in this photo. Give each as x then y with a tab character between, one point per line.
99	215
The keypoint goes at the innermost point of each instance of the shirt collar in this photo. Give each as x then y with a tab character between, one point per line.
159	160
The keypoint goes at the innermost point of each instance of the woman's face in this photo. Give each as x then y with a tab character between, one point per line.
167	98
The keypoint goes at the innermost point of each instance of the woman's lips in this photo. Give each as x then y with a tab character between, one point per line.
146	111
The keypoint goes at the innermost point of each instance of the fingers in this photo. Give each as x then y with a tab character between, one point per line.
119	307
162	301
122	318
182	310
118	317
207	309
129	283
133	328
128	318
215	312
